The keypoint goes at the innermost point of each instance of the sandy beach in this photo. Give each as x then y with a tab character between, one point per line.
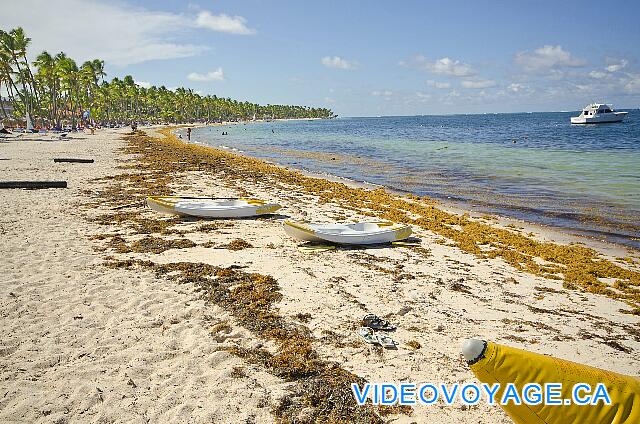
113	313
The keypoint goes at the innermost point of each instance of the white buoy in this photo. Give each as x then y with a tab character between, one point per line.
473	349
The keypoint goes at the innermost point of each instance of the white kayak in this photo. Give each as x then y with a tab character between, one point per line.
211	208
355	233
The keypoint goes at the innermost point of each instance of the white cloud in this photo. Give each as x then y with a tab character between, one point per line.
117	33
113	31
438	84
443	66
632	86
477	83
547	57
223	23
338	62
615	67
217	75
446	66
584	88
382	93
597	74
515	87
329	100
143	84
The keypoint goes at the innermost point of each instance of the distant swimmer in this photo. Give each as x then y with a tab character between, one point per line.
189	133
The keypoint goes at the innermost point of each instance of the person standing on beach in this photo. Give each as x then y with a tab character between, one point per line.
189	133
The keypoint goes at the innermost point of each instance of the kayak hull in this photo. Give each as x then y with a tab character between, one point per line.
362	233
301	232
211	208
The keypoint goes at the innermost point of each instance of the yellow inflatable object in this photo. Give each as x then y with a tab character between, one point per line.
493	363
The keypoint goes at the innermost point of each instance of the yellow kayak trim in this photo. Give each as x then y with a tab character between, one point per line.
163	201
403	233
267	209
384	224
253	202
300	227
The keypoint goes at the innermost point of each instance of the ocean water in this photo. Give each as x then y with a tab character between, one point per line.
533	166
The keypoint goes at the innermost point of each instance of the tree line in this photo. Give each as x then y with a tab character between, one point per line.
56	92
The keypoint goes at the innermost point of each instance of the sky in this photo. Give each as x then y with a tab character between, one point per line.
359	58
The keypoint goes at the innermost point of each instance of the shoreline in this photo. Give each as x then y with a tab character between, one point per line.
458	214
543	232
597	228
167	316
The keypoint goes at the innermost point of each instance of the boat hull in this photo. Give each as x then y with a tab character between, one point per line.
607	118
376	233
301	232
210	208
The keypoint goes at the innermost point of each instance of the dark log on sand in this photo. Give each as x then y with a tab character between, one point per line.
33	184
73	160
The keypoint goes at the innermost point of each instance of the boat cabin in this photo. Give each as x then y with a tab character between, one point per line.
596	109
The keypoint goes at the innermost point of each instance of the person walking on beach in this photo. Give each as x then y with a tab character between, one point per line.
189	133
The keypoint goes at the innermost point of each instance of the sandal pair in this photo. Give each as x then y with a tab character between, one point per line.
372	337
377	323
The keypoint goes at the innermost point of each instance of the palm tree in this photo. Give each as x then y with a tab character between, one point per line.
48	83
15	44
60	91
91	73
11	77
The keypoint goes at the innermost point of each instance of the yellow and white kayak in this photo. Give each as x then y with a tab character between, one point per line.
211	208
353	233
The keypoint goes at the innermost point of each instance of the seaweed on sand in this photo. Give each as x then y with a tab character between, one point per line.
322	392
414	344
574	264
148	244
237	244
141	225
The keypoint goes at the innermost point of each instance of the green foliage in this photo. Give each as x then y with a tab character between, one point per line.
60	91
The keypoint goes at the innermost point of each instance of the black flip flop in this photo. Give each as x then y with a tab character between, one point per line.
377	323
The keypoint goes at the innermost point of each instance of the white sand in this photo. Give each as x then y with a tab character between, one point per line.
85	343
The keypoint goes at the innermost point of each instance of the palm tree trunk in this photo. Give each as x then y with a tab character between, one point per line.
4	112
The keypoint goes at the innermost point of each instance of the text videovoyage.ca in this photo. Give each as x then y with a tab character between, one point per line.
474	393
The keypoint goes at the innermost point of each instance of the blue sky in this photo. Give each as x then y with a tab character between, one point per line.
360	58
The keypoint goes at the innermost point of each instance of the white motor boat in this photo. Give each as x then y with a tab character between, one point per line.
598	113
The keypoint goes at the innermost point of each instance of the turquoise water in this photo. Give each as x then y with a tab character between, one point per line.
533	166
